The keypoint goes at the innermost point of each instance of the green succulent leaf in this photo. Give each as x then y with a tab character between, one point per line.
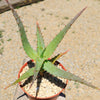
27	74
49	67
40	42
54	43
27	47
38	66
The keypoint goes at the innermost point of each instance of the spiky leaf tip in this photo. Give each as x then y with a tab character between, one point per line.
40	41
27	74
54	43
49	67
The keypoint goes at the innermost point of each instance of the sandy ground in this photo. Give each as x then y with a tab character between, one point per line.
83	40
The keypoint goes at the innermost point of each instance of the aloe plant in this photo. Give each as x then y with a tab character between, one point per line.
43	53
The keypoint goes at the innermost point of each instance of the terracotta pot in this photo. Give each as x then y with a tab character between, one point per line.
54	97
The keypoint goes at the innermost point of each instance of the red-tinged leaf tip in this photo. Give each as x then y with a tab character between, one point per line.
62	54
82	11
65	52
59	55
37	23
7	86
38	27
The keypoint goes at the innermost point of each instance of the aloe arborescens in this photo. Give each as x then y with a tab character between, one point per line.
43	53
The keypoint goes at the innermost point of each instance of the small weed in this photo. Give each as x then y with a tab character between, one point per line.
66	17
1	40
17	31
17	7
73	32
9	40
44	28
1	50
1	33
20	47
42	9
56	16
3	22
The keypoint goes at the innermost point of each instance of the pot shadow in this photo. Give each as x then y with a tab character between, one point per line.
24	94
45	75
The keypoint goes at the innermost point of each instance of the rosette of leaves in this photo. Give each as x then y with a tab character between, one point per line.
43	53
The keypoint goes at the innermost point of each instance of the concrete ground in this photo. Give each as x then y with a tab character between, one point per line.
83	40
